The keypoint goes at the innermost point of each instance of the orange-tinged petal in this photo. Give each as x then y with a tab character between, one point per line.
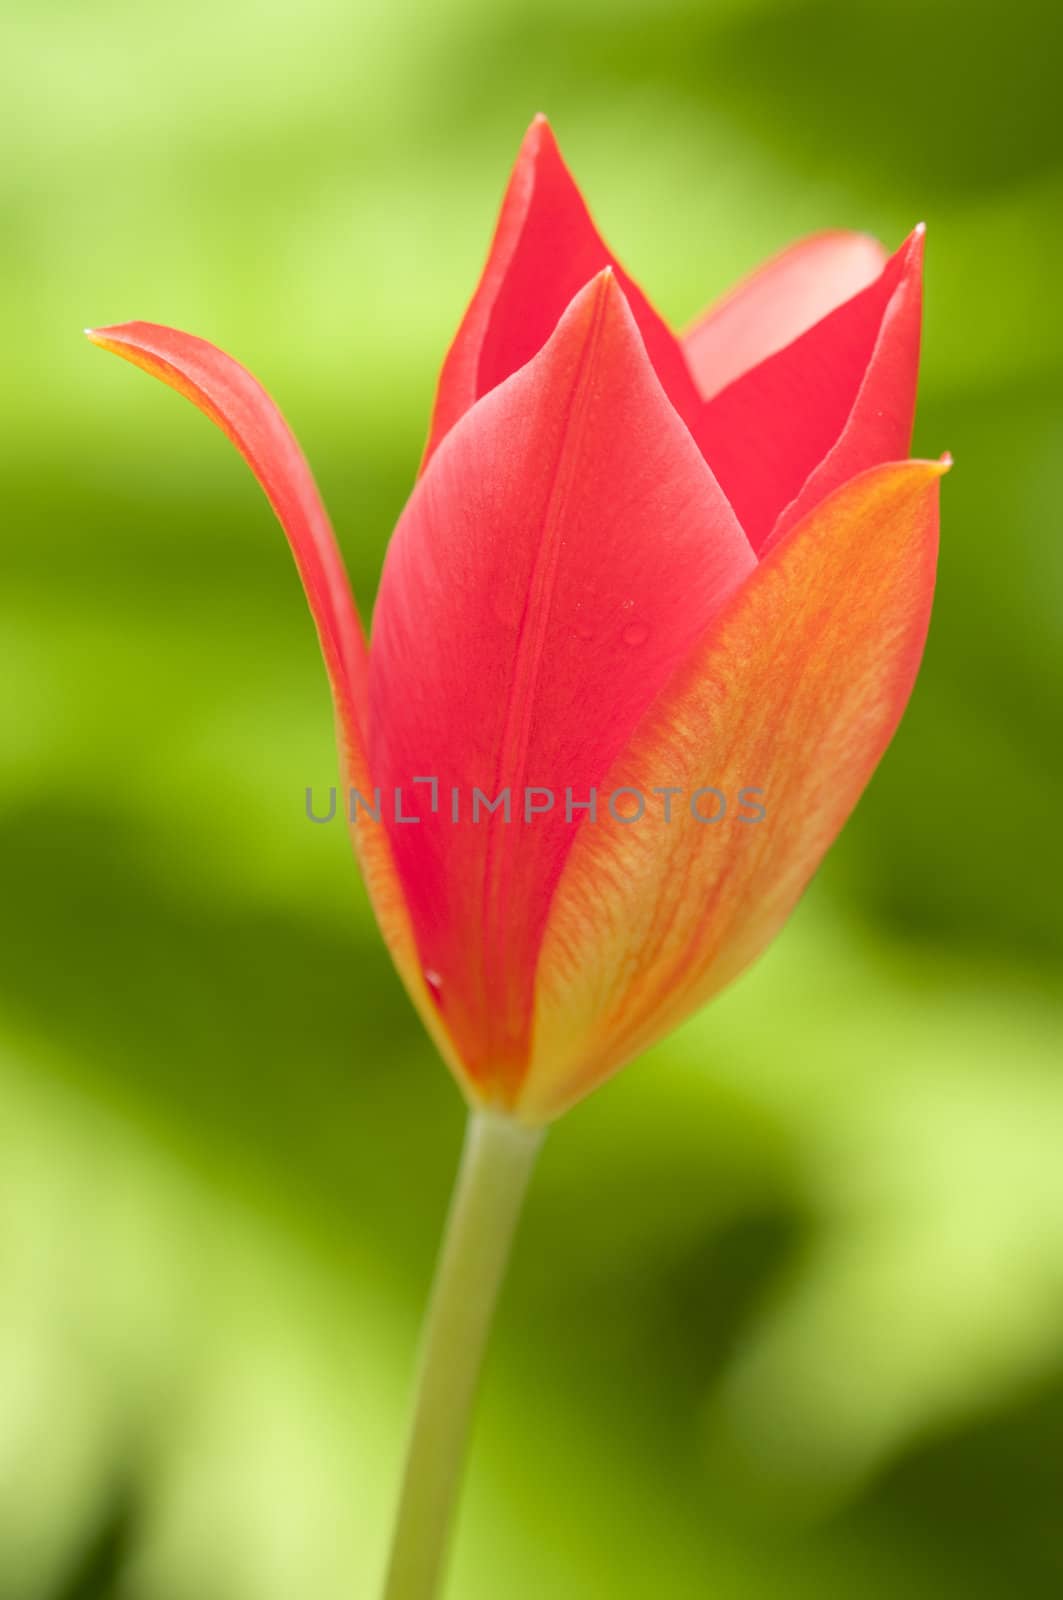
796	692
777	303
228	394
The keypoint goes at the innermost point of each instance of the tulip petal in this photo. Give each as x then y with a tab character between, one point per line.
557	561
795	692
839	399
545	249
879	427
777	303
234	400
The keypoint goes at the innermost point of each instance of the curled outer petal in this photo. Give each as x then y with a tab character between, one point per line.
239	405
796	691
560	557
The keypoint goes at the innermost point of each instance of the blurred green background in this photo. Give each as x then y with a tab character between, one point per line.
786	1317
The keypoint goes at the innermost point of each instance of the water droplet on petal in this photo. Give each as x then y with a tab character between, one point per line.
435	984
627	604
636	633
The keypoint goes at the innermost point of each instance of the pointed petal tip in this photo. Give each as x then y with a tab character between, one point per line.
540	135
111	340
120	338
600	297
919	468
920	471
914	246
933	468
605	291
604	285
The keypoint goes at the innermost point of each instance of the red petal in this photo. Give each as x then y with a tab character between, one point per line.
879	427
545	249
783	298
849	382
559	558
233	399
795	693
237	402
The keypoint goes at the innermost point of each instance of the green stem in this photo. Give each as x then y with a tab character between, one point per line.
496	1164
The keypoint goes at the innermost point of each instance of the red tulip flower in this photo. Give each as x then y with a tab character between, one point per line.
640	574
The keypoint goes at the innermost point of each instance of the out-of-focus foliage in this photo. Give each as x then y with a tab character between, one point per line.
787	1312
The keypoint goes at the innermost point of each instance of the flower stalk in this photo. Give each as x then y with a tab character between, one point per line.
496	1164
